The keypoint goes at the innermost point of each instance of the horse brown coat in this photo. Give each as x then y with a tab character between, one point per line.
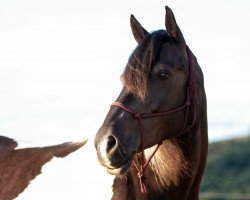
19	166
156	80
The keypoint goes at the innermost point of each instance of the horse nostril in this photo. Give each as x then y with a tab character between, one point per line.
111	143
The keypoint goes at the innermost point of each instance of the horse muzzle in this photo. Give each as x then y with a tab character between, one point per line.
114	153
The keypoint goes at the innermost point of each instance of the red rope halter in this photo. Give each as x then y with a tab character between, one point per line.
191	95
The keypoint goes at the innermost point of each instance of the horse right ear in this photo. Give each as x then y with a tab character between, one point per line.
171	25
138	31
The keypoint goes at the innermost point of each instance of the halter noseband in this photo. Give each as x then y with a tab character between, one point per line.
191	96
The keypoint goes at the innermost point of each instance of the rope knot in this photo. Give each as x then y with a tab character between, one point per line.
141	176
137	116
192	85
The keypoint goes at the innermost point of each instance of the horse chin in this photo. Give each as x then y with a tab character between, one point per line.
123	168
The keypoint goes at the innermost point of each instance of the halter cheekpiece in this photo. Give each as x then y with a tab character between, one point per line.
190	98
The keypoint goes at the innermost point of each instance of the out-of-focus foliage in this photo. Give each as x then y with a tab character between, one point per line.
228	167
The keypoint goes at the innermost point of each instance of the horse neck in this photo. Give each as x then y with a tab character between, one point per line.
164	170
166	167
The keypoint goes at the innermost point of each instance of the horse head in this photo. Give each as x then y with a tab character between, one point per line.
155	80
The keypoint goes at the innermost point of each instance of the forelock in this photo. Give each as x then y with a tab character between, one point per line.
136	74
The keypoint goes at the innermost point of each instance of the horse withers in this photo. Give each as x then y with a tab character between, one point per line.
154	137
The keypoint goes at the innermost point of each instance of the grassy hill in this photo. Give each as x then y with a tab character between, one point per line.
227	174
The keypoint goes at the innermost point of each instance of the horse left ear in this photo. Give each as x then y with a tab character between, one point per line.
171	24
138	31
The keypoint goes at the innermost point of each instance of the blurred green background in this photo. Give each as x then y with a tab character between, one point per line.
227	174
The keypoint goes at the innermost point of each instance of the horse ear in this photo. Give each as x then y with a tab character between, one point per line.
171	24
138	31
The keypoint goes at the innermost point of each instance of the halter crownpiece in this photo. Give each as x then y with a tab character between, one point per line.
191	96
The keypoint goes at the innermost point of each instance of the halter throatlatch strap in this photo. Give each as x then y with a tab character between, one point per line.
190	98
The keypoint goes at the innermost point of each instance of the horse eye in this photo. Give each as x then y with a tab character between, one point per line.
164	74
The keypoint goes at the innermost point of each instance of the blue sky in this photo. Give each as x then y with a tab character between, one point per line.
60	63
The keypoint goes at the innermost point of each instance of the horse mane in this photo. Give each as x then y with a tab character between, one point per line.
135	77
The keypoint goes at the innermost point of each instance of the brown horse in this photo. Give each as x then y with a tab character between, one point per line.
19	166
160	116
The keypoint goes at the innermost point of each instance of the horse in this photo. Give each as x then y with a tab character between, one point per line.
18	167
154	138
